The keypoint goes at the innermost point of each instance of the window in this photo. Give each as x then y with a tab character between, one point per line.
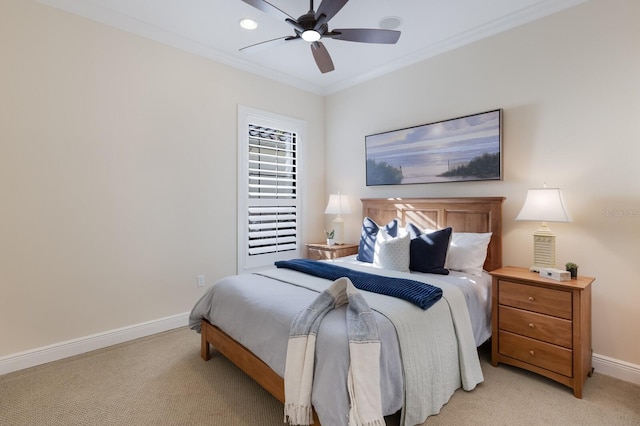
269	153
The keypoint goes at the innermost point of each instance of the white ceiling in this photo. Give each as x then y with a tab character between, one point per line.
211	28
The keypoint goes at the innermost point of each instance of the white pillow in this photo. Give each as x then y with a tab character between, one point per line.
467	252
392	253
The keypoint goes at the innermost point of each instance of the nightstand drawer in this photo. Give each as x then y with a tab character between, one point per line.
537	299
537	326
315	254
325	252
544	355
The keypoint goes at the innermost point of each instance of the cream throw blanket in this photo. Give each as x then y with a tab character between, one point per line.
364	350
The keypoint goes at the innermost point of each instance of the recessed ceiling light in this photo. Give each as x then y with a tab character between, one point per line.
248	24
390	22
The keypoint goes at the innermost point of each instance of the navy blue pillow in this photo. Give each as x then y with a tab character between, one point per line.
428	252
368	237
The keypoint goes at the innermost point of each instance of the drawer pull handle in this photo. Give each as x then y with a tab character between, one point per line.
531	299
531	325
532	353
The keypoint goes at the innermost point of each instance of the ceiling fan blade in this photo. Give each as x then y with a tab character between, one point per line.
267	7
257	47
327	10
365	35
322	57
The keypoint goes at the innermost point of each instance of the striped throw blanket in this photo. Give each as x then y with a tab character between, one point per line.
363	380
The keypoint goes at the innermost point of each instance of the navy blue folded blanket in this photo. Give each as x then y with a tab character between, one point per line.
421	294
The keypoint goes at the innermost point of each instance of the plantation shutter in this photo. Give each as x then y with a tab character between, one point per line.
270	226
272	218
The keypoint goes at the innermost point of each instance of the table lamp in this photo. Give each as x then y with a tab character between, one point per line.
544	205
338	204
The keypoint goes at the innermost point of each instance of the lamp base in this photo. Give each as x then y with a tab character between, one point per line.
537	268
338	226
544	249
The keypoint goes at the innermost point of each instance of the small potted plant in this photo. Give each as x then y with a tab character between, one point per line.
573	268
330	235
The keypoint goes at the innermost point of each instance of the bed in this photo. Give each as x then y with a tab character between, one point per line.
243	341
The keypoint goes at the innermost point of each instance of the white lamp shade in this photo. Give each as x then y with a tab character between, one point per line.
544	205
338	204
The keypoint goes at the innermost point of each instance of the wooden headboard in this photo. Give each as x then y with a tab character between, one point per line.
475	214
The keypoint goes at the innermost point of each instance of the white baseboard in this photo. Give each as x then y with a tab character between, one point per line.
602	364
42	355
615	368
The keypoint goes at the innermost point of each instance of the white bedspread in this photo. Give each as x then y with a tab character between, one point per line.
428	384
437	345
476	290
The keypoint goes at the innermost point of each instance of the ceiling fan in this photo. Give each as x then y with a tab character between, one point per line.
313	26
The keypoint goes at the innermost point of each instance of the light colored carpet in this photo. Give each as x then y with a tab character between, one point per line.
161	380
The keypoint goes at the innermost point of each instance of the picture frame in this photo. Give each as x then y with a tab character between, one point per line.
461	149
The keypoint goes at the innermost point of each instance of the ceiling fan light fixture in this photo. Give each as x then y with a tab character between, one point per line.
310	36
248	24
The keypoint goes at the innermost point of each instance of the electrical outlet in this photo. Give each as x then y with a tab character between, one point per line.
201	281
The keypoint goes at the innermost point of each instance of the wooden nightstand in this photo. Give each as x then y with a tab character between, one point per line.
542	325
325	252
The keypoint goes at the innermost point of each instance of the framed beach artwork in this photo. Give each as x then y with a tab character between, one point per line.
467	148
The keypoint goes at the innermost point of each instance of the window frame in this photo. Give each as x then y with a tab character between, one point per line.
251	116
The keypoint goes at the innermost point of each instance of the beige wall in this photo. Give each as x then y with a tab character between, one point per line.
118	174
570	89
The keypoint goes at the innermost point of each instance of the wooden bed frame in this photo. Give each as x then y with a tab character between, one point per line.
478	214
